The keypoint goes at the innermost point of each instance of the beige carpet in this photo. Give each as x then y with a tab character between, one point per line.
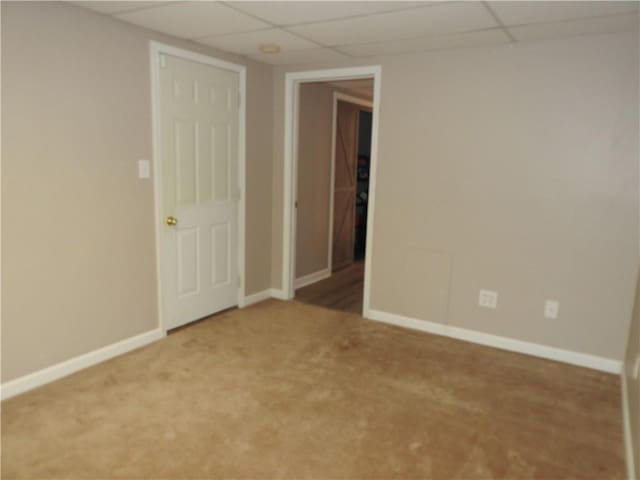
292	391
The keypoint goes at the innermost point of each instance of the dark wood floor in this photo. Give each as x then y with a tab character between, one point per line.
341	291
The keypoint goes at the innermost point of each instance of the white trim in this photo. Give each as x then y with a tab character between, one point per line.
292	82
242	183
371	198
156	174
312	278
155	49
59	370
278	293
332	176
566	356
626	425
265	295
256	297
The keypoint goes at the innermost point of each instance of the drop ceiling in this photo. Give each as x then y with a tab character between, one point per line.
328	31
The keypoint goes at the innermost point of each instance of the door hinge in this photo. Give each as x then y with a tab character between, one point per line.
162	60
239	99
238	193
239	281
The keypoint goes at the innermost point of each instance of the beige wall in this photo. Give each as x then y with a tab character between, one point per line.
314	178
512	168
77	224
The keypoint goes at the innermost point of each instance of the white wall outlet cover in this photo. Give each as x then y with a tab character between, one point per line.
488	299
551	308
144	168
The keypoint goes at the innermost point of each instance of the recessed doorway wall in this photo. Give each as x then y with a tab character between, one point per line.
334	151
311	166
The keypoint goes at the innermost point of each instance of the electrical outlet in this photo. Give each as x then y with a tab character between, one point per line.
144	169
551	308
488	299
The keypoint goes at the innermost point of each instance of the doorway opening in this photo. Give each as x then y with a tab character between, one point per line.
363	167
331	133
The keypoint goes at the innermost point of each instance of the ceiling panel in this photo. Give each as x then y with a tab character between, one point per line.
248	43
415	45
193	19
366	28
291	13
616	23
430	20
111	8
301	57
519	13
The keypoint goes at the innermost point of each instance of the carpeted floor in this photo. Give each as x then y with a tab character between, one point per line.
292	391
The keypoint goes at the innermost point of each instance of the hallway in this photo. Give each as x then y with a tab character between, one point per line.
341	291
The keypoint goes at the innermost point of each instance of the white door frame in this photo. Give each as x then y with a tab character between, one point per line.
334	125
155	49
291	103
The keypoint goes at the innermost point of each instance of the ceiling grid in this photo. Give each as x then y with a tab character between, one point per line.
328	31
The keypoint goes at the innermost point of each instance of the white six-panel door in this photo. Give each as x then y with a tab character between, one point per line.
199	120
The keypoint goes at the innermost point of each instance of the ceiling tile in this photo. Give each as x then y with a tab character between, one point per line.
430	20
415	45
301	57
111	8
520	13
292	13
193	19
616	23
247	43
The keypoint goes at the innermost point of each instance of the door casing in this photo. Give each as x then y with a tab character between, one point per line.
291	105
155	50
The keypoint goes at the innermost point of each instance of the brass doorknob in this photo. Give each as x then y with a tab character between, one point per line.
171	221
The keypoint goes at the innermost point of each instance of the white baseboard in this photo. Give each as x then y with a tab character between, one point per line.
311	278
263	295
575	358
256	297
59	370
407	322
626	425
279	294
